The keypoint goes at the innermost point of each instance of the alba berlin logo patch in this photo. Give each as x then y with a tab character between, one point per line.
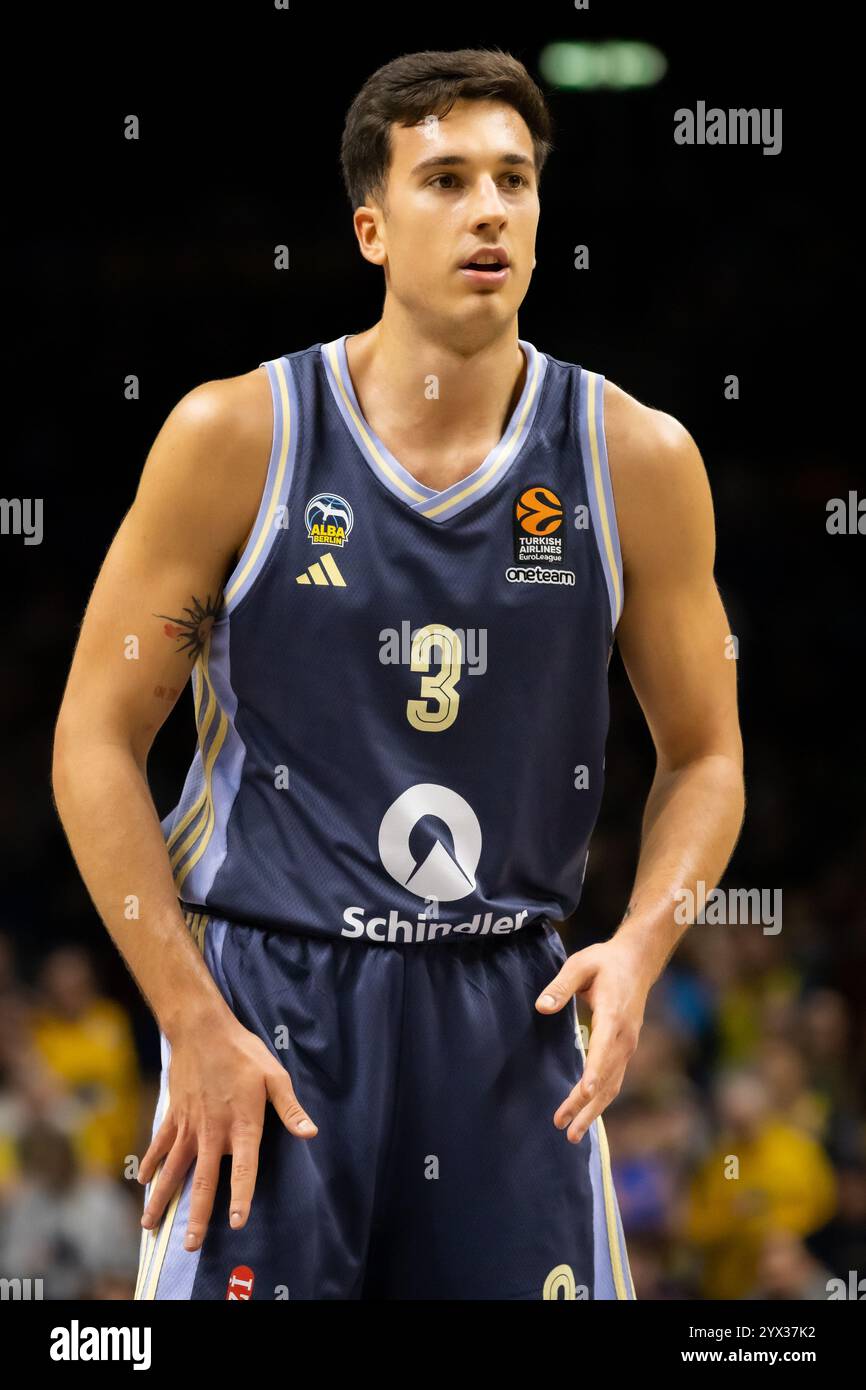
329	519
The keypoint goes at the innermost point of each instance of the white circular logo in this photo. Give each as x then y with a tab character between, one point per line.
325	509
432	861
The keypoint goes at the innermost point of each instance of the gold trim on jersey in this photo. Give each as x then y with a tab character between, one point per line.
502	455
592	428
176	847
265	524
620	1269
363	431
154	1243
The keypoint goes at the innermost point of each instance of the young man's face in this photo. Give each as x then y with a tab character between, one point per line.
455	187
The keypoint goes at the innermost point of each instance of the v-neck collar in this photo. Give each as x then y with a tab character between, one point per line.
441	505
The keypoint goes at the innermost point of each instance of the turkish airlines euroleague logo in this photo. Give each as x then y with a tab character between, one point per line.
539	535
539	511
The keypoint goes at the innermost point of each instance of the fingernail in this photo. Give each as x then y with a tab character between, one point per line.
304	1124
236	1218
147	1222
190	1242
547	1000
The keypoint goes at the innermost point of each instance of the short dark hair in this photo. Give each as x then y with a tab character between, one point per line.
424	84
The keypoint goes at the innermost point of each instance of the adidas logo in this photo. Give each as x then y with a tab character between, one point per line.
323	571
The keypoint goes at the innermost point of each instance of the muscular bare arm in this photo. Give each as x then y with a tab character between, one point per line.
196	501
679	652
675	642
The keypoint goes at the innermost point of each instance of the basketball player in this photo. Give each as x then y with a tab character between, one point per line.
394	565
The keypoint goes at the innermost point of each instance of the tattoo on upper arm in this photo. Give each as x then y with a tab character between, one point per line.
193	631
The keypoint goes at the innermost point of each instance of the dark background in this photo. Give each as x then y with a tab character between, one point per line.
156	258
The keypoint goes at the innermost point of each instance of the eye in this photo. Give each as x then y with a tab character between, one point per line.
522	181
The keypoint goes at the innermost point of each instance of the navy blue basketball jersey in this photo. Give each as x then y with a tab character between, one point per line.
402	704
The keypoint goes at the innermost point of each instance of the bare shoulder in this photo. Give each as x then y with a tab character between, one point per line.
234	408
233	417
221	432
660	486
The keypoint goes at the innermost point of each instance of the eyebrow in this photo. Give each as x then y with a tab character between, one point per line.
437	160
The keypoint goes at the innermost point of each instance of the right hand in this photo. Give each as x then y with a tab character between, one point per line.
220	1080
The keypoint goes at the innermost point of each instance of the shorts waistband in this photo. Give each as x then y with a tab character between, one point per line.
394	930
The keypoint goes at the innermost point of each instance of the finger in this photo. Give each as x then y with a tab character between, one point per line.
204	1187
576	974
159	1147
611	1046
246	1137
577	1097
282	1096
602	1055
577	1129
172	1173
604	1058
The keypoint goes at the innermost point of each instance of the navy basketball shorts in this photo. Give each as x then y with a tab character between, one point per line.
437	1172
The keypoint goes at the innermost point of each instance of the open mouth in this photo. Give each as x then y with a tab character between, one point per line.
484	270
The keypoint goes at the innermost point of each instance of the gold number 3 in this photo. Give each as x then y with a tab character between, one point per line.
439	687
560	1284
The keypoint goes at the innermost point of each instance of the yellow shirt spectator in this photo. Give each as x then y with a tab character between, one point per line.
785	1183
94	1056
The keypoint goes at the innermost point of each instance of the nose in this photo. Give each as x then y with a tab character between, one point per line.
488	205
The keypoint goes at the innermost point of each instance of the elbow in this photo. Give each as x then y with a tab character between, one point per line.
79	743
63	754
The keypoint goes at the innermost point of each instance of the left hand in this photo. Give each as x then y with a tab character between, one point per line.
613	979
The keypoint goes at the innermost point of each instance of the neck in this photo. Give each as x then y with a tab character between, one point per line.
429	393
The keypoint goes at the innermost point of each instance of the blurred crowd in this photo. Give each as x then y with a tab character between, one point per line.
71	1126
738	1140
